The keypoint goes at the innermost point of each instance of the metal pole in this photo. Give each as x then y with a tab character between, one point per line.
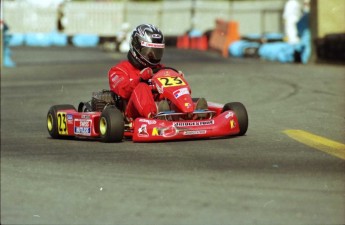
125	17
231	10
192	14
313	24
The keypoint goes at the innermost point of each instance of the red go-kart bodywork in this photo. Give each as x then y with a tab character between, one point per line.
182	122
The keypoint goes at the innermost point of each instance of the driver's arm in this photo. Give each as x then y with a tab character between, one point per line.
120	82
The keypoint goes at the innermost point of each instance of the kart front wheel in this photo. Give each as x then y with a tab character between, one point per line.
241	114
53	127
111	125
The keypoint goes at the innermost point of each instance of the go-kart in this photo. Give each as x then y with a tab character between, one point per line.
103	117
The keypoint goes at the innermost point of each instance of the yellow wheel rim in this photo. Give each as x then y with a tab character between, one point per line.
50	122
103	126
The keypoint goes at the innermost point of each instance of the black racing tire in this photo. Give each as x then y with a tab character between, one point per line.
241	114
52	120
195	99
111	125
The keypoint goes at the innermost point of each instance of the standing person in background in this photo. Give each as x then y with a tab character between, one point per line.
291	15
60	17
6	59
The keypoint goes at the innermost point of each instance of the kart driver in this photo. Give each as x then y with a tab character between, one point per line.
145	53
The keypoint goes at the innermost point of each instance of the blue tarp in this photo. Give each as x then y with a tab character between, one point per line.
17	39
46	39
266	36
306	46
53	39
195	33
274	36
285	52
7	60
38	39
278	50
58	39
238	48
85	40
6	51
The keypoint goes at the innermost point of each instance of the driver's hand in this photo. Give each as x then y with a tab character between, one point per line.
146	73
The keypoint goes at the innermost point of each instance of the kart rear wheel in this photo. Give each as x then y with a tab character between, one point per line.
52	120
111	125
241	114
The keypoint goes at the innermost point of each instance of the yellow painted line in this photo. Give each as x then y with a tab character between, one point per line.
323	144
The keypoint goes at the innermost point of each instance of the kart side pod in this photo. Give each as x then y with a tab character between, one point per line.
146	130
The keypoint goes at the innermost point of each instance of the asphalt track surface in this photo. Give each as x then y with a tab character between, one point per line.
264	177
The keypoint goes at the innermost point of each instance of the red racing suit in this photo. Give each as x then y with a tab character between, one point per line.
124	80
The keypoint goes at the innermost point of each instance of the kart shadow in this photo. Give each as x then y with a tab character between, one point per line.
128	139
188	140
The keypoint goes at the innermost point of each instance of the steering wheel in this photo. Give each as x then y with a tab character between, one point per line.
156	70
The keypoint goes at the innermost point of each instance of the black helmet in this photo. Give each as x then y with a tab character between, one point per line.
146	46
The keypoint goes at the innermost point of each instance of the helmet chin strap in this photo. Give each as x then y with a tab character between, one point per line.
134	61
137	62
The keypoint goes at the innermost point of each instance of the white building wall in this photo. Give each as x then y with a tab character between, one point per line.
23	17
102	18
173	17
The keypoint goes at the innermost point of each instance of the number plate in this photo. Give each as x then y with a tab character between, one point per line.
62	124
171	81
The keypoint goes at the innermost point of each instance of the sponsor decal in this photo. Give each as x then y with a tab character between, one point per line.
214	104
152	45
148	121
156	36
229	114
155	132
194	123
182	91
82	130
142	131
194	132
188	105
115	80
69	119
83	116
232	124
159	89
169	131
82	127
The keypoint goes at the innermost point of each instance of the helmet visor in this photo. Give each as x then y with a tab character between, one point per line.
152	52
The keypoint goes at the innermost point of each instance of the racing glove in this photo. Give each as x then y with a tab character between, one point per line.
146	74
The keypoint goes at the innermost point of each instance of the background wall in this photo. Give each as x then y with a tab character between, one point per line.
174	17
331	17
